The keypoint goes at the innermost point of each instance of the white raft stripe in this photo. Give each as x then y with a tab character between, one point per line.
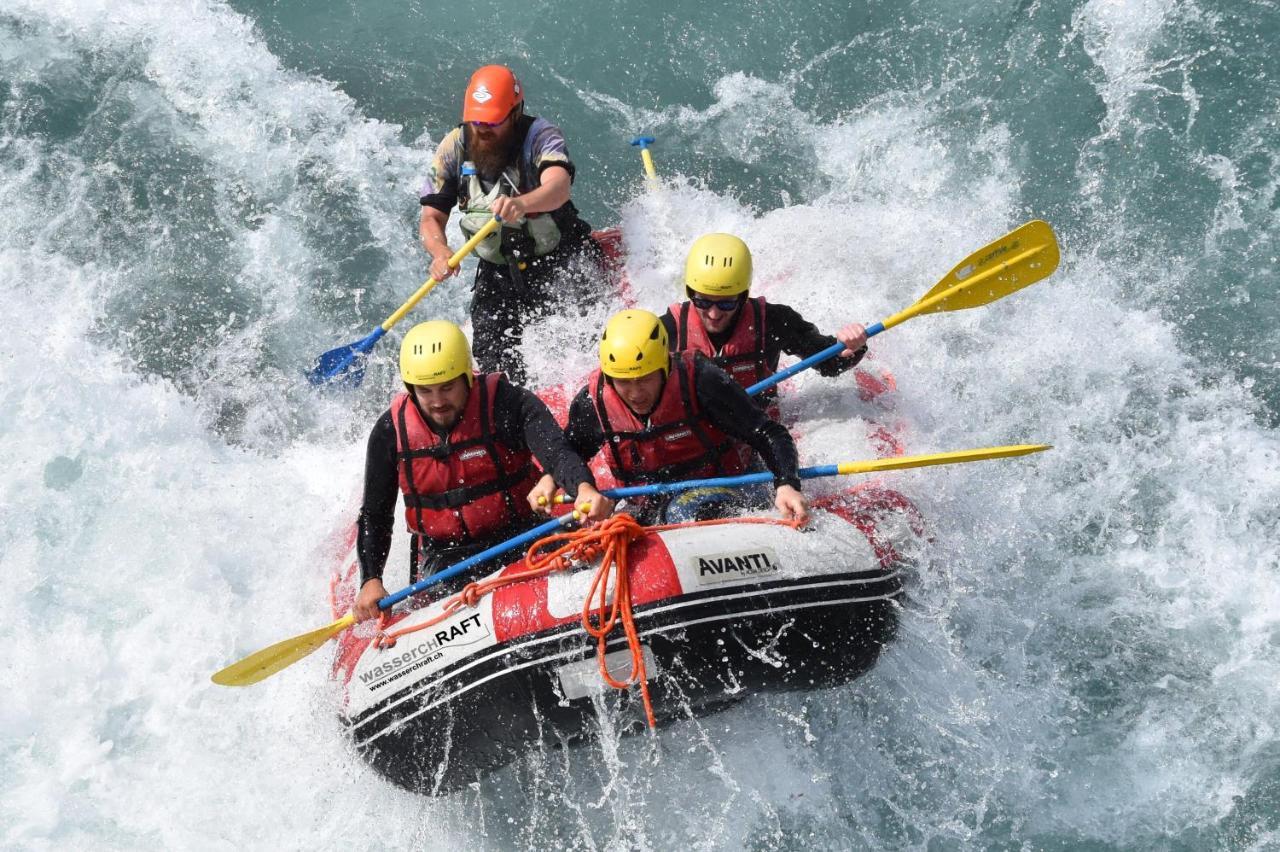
501	672
553	637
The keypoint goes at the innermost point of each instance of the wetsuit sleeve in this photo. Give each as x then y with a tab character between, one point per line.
583	431
440	189
521	419
669	322
791	333
548	148
376	522
734	413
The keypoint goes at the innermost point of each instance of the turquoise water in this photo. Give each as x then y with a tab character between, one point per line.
199	198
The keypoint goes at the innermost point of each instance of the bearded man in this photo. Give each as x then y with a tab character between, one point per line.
501	162
458	447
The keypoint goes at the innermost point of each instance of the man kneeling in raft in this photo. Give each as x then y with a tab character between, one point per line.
460	446
666	417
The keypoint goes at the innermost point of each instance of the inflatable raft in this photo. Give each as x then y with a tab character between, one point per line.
720	612
452	690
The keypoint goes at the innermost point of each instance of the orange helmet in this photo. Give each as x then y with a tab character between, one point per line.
491	95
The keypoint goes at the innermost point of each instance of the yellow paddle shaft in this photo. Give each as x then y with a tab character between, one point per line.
956	457
467	247
648	164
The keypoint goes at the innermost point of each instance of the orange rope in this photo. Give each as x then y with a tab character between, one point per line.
610	539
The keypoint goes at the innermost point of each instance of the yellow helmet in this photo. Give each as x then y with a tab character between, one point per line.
634	344
718	265
433	353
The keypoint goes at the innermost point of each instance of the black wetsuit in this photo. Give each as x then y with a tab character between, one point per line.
506	296
520	421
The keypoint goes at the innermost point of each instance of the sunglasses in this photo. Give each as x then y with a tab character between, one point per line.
703	303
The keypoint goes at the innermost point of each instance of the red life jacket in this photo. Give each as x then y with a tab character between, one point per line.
743	356
677	441
468	485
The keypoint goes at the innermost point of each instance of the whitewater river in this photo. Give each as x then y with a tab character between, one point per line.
197	197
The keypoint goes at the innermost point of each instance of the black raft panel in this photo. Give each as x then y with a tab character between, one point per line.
709	651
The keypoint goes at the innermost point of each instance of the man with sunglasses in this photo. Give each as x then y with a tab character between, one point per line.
502	162
746	336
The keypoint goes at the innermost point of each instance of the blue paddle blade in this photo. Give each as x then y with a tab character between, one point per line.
334	363
344	366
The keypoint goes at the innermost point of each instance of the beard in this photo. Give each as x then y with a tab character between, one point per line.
492	155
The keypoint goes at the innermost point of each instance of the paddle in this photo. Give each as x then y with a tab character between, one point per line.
262	664
841	469
1018	259
336	363
643	143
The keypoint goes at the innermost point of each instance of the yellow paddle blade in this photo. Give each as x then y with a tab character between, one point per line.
1016	260
262	664
956	457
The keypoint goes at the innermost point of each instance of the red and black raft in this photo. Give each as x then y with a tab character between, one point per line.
720	612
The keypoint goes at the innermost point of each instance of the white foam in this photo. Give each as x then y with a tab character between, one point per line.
143	552
1139	547
1089	649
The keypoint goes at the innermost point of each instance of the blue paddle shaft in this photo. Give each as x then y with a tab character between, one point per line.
613	493
717	482
372	338
471	561
825	355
